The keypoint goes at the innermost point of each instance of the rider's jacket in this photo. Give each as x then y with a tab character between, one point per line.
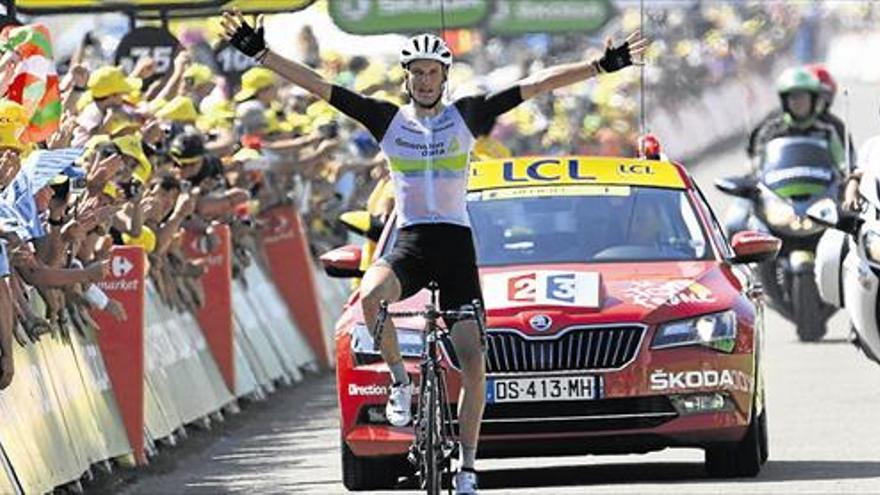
827	127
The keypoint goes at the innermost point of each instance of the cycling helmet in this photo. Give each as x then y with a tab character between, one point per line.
829	85
425	47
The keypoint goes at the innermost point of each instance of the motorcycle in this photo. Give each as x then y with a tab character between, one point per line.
795	174
848	263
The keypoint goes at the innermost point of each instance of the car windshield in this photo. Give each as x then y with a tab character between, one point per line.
580	224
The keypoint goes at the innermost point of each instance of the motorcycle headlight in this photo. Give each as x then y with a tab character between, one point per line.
716	331
411	343
872	245
779	213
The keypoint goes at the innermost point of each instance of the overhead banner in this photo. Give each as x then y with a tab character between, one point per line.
395	16
549	16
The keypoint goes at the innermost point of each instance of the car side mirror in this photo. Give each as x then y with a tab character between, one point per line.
741	187
343	262
754	247
827	213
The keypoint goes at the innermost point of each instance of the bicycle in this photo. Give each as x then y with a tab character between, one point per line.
434	444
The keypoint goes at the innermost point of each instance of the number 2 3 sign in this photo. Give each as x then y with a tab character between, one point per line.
542	287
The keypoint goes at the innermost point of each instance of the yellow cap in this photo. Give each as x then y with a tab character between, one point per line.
111	190
109	81
218	115
254	80
146	240
199	73
120	124
179	109
132	145
246	154
13	119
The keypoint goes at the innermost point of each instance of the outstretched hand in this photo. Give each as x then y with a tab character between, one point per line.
240	34
630	52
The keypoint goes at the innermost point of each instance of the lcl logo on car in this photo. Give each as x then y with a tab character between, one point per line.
540	323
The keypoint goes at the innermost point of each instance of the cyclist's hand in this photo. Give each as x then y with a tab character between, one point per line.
241	35
629	53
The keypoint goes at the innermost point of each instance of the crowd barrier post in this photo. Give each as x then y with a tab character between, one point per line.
290	266
215	317
122	344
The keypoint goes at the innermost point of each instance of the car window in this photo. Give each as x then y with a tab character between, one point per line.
578	225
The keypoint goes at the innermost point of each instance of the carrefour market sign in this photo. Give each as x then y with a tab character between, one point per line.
549	16
389	16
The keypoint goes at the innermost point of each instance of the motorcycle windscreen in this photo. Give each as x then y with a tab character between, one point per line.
798	167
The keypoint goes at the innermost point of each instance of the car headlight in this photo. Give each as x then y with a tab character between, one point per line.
411	344
716	330
871	241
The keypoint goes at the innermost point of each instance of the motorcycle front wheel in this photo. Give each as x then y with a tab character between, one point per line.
807	308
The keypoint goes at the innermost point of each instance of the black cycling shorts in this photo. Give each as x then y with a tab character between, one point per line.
441	252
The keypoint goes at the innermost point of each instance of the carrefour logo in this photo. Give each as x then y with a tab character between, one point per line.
120	266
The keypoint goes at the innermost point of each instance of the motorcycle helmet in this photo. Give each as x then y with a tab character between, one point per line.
829	85
797	80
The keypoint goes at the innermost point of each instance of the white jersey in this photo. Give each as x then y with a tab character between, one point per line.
429	156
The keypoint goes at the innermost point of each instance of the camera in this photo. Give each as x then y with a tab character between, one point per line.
131	189
185	186
329	130
78	185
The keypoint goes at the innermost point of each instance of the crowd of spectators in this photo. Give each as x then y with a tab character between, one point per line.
135	159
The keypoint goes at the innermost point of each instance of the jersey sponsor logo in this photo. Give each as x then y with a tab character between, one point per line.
662	380
542	287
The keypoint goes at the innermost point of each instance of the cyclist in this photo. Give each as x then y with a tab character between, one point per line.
428	144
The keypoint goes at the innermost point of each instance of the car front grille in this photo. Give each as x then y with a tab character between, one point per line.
577	416
575	349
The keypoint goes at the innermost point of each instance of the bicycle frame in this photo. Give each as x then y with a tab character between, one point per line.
434	443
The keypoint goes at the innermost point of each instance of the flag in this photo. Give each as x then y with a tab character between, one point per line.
35	81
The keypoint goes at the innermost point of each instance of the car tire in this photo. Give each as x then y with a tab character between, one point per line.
741	459
366	473
765	436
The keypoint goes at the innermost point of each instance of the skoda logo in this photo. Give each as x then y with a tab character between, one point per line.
540	323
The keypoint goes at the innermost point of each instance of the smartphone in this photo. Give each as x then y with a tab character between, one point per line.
78	185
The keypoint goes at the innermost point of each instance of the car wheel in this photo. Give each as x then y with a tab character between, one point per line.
739	459
367	473
765	436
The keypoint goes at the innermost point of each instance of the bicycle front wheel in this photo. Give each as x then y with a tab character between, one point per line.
431	460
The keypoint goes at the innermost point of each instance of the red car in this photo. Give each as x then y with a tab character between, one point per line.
620	320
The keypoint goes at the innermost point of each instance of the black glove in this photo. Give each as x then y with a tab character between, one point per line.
615	58
248	41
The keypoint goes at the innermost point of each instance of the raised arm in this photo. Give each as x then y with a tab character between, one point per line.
558	76
252	42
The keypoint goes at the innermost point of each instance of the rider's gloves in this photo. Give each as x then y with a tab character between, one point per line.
249	41
615	58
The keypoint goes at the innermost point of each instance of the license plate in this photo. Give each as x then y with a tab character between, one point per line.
537	389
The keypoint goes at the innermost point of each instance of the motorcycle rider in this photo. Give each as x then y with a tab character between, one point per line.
803	102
